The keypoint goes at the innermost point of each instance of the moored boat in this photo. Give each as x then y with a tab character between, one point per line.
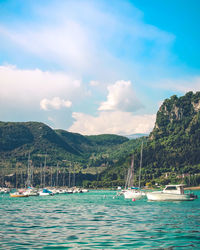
4	190
171	193
84	190
18	194
133	193
45	192
31	192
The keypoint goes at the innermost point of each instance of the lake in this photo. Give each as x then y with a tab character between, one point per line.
96	220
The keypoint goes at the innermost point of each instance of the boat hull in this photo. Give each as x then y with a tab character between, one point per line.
44	194
133	195
18	195
156	196
33	194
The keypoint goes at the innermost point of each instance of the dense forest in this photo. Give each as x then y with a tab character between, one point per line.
170	153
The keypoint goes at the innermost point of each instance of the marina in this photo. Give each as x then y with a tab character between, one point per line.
95	220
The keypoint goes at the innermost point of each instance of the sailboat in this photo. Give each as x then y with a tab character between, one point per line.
130	191
30	191
18	193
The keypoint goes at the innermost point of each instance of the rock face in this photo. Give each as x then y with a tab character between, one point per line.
177	115
196	106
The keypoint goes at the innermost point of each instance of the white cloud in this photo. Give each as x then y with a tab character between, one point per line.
29	87
123	123
54	103
87	38
121	96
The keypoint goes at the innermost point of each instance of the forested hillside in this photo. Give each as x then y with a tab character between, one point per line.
170	153
17	140
58	149
172	150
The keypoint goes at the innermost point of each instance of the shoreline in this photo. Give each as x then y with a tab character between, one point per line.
192	188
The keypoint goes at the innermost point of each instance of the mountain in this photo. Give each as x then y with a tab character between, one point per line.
173	147
175	140
170	151
18	139
178	116
26	135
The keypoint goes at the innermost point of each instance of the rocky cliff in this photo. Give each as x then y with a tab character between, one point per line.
178	115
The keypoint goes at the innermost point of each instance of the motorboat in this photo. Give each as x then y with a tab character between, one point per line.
84	190
45	192
171	193
18	194
4	190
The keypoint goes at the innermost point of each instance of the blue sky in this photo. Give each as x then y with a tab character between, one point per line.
95	67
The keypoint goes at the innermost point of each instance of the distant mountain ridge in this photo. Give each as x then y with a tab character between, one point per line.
18	139
135	136
13	136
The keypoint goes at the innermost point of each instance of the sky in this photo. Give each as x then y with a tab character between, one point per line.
99	66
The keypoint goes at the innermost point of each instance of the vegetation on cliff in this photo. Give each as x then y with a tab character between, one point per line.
171	153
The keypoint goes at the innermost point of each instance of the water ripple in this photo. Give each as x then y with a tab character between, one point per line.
96	221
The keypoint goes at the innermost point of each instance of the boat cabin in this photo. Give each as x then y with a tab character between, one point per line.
174	189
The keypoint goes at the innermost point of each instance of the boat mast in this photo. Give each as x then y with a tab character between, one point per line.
51	177
16	180
32	172
29	171
74	176
69	182
131	180
63	177
41	174
21	178
127	179
130	175
45	163
57	176
140	163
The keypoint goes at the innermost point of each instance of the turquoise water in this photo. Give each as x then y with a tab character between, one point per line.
95	220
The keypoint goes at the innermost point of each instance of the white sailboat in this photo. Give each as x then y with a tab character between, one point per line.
133	193
130	191
30	191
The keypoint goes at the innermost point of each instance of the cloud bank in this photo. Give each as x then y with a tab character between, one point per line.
118	122
29	87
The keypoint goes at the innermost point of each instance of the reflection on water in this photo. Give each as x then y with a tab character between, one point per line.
95	220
